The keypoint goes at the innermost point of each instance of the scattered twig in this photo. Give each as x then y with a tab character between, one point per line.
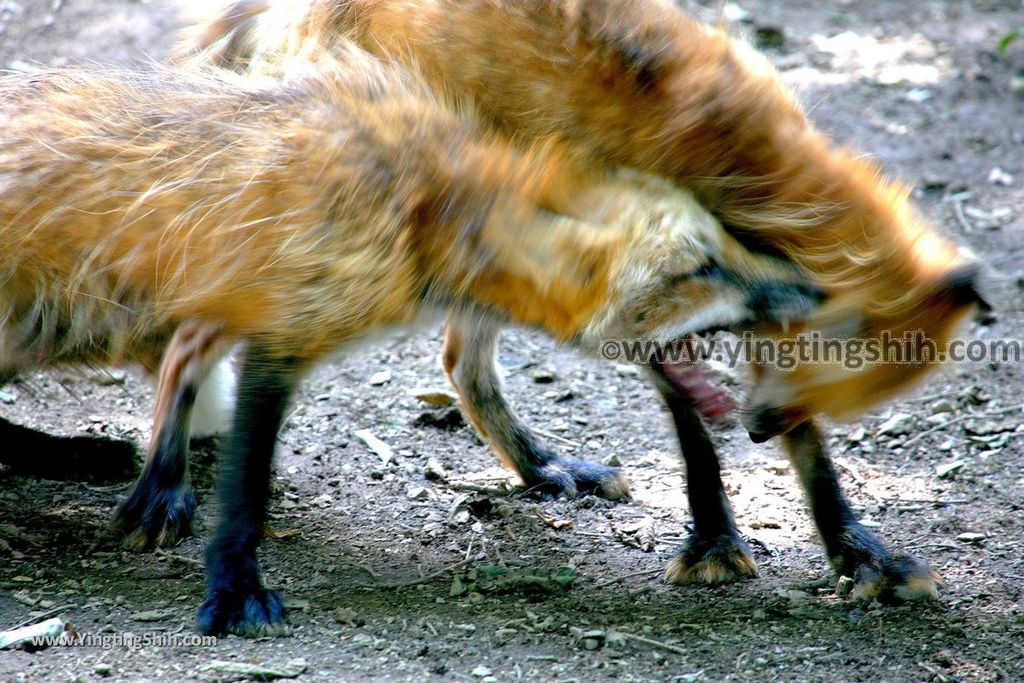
958	210
178	558
106	488
925	399
938	546
557	437
961	418
633	575
929	501
652	642
592	534
823	582
44	616
292	669
51	628
851	470
373	575
477	488
411	582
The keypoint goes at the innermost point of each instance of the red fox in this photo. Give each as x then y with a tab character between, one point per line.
638	84
296	217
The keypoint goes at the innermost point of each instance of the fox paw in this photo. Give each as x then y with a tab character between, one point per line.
712	562
895	580
571	477
155	518
257	614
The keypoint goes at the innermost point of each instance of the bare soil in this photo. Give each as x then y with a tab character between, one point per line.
363	549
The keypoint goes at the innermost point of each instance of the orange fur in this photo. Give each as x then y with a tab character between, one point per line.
307	214
638	83
155	209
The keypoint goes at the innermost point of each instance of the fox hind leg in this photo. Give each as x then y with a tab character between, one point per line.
469	360
161	506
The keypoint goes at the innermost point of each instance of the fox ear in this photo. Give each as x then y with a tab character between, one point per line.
961	285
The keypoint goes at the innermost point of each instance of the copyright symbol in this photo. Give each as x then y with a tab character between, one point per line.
611	350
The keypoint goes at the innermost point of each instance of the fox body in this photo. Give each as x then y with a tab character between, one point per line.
351	209
300	215
638	84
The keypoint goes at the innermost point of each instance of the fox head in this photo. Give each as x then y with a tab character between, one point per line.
679	272
898	294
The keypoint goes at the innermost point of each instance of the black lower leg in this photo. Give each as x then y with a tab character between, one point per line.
853	550
832	514
236	600
714	552
542	469
160	507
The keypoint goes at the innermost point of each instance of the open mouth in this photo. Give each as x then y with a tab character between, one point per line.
685	373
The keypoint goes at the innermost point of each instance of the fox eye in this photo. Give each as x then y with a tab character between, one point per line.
705	271
711	269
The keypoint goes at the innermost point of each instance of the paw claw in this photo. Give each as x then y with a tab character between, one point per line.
896	580
260	614
722	560
155	520
570	477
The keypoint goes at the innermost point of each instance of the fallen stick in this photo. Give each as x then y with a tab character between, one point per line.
51	628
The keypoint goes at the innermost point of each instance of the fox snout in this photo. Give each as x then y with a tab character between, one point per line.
781	301
780	400
763	424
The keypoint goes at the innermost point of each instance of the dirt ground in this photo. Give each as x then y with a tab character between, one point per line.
366	551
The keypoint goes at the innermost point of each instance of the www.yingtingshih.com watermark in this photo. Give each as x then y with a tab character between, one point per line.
123	641
786	354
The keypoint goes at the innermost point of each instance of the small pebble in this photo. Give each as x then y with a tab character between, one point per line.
434	470
627	371
898	424
543	376
971	537
379	378
998	176
347	615
417	493
943	471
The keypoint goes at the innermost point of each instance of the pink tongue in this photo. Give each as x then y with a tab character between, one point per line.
712	402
